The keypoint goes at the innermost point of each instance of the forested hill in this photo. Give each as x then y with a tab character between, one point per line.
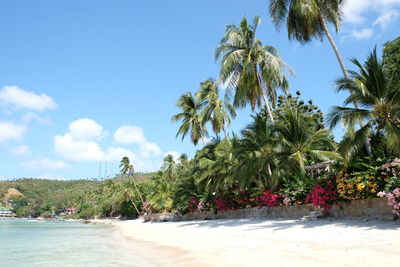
39	196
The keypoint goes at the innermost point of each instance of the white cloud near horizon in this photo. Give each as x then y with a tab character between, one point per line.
17	98
11	131
20	150
128	134
80	143
44	164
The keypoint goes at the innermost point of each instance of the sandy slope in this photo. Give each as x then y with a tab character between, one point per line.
251	242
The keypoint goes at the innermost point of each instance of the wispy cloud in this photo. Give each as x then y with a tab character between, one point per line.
17	98
44	164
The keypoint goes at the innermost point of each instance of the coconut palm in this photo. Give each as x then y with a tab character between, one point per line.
308	19
168	168
252	70
380	106
215	162
190	117
216	110
255	153
128	170
299	144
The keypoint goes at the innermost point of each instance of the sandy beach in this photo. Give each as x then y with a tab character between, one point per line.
253	242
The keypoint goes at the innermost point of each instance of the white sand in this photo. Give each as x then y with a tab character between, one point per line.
250	242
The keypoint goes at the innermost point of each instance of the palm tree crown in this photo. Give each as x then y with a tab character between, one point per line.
252	70
379	106
190	117
216	110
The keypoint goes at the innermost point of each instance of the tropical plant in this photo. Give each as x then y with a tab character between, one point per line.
252	70
380	107
216	110
168	168
128	170
299	143
190	117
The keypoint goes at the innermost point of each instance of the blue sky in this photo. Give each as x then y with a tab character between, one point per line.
84	82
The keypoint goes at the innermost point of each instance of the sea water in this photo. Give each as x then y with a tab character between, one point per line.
62	243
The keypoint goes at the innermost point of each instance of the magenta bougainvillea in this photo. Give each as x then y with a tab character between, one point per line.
193	203
323	196
269	199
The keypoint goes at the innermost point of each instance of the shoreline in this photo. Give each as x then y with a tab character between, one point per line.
256	242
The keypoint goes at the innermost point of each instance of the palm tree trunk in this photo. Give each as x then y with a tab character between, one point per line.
267	106
343	68
134	205
137	190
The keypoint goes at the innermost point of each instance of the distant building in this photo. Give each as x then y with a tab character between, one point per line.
4	212
69	211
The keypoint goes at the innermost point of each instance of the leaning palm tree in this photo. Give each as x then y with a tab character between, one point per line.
216	110
306	19
380	106
128	170
252	70
190	117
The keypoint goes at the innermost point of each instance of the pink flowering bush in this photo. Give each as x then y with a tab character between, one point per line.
224	203
323	196
270	199
393	200
193	204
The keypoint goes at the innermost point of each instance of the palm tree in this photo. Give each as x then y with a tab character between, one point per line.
255	153
216	110
380	106
299	143
306	19
128	170
252	70
190	117
168	168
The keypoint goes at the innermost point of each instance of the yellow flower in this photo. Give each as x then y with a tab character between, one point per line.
360	187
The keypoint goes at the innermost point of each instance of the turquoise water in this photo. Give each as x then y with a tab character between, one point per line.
34	243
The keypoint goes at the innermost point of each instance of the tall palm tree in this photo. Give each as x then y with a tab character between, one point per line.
128	170
190	117
216	110
252	70
306	19
380	106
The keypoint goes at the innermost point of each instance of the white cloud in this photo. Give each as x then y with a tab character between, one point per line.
48	176
76	150
150	150
386	18
44	164
11	131
86	129
362	34
27	118
80	144
354	11
20	99
129	135
20	150
135	135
